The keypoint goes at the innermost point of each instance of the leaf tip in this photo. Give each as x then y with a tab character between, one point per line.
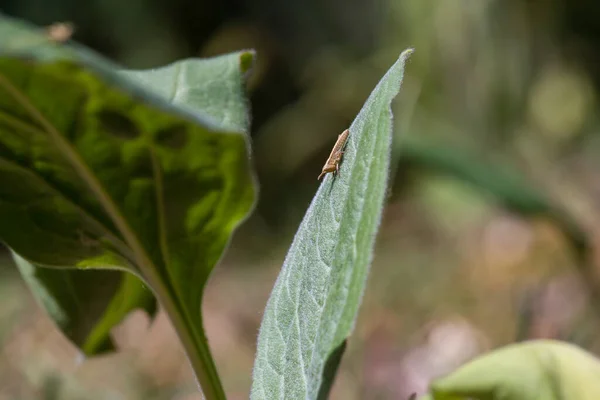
407	53
247	58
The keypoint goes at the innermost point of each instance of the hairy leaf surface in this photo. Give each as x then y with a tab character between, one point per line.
315	300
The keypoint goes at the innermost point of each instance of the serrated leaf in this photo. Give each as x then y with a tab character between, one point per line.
100	172
314	303
541	369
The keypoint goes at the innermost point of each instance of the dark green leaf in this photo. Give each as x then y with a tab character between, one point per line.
86	305
98	171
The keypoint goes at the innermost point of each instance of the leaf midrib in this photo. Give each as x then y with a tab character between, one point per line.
103	230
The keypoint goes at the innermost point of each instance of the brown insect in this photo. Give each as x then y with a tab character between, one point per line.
60	31
333	162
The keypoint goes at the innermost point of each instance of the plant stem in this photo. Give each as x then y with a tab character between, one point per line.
194	342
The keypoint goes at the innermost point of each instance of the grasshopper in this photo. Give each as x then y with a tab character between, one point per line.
333	161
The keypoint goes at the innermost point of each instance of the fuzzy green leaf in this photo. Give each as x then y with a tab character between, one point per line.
314	303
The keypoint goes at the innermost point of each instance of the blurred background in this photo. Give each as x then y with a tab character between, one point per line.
490	233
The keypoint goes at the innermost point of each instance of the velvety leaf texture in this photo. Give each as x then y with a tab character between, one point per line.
315	300
541	369
98	171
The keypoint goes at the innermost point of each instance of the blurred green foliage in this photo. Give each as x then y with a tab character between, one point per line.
500	83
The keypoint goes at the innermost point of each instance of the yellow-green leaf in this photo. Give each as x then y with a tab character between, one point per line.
536	370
